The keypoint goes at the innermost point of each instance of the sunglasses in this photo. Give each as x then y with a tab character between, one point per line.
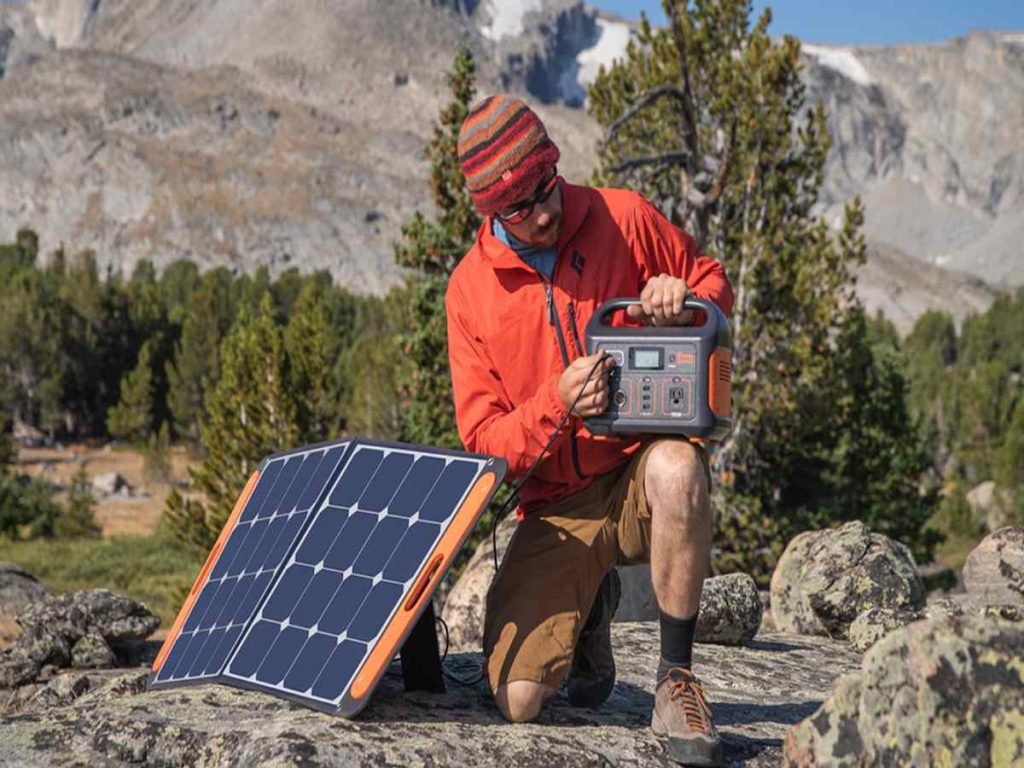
524	209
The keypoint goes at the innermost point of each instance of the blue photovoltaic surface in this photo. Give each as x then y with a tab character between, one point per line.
351	571
263	537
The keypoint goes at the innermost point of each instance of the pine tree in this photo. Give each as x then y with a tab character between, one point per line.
249	414
432	249
132	419
196	361
707	119
312	352
78	518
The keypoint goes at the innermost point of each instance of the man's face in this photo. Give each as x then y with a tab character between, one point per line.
543	225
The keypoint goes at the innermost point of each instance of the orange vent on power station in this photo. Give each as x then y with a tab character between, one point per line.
720	382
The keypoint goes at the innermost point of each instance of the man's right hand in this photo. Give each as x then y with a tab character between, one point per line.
594	400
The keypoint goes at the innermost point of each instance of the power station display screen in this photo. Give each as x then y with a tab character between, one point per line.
646	359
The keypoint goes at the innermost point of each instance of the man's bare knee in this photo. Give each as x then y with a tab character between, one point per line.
675	474
521	700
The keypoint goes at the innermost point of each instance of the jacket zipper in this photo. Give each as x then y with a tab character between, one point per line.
553	320
572	327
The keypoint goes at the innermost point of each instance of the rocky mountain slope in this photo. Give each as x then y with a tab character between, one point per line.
248	132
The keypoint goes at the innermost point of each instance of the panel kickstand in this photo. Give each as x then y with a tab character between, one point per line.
421	657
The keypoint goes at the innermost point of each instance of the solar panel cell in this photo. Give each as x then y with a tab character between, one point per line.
356	476
310	661
287	592
344	604
223	649
262	490
279	659
303	477
375	610
419	539
281	486
314	600
449	490
321	536
247	604
380	546
385	482
350	541
341	666
290	527
254	647
416	485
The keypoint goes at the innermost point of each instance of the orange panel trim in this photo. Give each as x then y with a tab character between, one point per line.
229	526
720	382
395	632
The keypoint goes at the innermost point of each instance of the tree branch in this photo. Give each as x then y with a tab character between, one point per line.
664	159
644	101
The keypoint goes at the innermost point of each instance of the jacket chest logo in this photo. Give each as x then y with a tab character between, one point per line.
577	262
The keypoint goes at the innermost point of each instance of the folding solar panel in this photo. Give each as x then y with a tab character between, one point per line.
328	560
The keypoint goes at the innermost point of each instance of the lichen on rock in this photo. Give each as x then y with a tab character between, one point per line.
825	579
944	691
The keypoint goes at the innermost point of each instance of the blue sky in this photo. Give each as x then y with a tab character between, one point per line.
865	21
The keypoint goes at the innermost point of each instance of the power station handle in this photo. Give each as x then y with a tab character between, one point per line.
711	313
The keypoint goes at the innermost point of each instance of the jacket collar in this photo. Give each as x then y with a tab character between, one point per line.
575	207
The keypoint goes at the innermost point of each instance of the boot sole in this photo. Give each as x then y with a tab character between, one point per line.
692	752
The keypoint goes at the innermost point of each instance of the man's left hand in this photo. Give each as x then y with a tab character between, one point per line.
661	302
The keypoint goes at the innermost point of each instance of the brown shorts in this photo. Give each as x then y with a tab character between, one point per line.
552	570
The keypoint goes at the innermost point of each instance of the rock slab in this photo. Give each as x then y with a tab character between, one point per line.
938	692
756	693
825	579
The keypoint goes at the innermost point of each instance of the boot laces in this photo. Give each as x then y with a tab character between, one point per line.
687	690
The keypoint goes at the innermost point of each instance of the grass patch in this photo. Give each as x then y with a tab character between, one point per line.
151	569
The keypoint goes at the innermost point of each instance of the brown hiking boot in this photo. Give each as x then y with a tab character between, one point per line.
682	714
592	675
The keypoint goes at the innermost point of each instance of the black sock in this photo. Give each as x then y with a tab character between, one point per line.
676	642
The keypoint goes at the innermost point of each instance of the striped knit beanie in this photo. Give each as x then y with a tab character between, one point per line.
505	153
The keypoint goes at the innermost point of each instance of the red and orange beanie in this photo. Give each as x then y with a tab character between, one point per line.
504	152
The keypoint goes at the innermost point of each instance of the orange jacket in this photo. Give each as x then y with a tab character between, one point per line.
511	332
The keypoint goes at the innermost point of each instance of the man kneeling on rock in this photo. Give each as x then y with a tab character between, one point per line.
547	255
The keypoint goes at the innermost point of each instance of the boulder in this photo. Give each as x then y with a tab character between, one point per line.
994	571
944	691
991	507
730	610
53	630
109	483
756	692
873	624
92	652
825	579
18	588
463	610
637	602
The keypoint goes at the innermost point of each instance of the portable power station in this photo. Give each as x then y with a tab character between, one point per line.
667	380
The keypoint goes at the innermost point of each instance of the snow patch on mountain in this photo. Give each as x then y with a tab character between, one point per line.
841	60
507	17
611	45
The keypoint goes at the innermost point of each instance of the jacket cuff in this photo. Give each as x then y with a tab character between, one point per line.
555	407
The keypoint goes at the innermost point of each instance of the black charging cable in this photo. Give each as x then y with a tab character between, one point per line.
503	510
514	496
